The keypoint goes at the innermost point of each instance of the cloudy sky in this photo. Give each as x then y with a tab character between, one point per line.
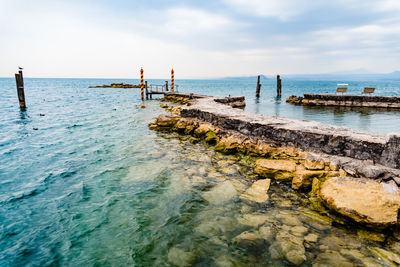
199	39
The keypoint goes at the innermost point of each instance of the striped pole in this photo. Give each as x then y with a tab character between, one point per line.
141	83
172	80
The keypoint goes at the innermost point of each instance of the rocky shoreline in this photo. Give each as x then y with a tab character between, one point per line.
306	169
117	85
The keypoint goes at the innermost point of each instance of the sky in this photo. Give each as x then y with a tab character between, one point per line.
199	39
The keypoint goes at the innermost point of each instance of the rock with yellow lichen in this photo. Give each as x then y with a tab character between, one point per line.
363	200
277	169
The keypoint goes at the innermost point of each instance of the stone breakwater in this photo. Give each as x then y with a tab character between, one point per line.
346	100
348	175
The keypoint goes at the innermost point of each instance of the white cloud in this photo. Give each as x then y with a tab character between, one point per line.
189	20
281	9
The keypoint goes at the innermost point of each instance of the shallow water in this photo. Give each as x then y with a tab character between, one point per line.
94	186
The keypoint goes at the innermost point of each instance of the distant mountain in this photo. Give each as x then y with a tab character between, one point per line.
263	77
346	76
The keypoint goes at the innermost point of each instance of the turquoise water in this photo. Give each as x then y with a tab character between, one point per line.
84	182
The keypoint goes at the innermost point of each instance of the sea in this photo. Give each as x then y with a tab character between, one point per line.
84	182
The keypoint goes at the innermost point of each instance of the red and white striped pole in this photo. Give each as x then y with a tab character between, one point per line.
172	80
141	83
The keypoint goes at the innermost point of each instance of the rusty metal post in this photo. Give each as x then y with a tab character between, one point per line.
166	86
20	89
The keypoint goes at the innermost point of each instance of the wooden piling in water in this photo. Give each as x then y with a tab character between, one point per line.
172	80
141	84
20	89
166	86
278	86
258	86
147	91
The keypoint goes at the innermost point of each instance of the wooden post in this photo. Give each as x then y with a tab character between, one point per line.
278	86
258	86
172	80
166	86
147	91
141	83
20	89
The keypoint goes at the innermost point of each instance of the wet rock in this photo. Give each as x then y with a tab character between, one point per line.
230	144
258	192
363	200
198	181
248	239
277	169
299	230
386	255
353	253
211	138
288	218
335	242
290	247
176	110
253	220
225	261
204	128
374	236
221	193
304	178
266	233
316	220
229	170
240	187
164	106
207	228
311	238
164	122
180	257
331	258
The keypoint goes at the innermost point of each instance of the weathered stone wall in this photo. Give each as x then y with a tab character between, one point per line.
307	135
346	100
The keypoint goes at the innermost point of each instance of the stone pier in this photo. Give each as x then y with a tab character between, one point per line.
392	102
307	135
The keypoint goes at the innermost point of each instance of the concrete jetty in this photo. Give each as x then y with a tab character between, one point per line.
371	101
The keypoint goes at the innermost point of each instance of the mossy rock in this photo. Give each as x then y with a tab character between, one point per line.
211	138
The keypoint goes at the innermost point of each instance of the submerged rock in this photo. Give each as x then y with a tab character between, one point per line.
387	256
332	258
248	239
253	220
363	200
290	247
374	236
277	169
221	193
180	257
164	106
257	192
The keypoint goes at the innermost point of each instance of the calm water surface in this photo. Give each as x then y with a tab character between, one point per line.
84	182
